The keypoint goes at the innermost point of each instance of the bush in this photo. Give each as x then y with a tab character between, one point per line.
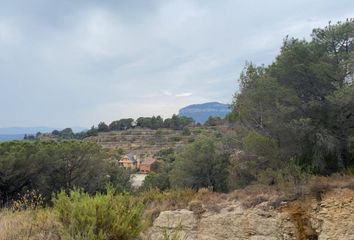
196	207
186	132
176	139
102	216
201	164
156	180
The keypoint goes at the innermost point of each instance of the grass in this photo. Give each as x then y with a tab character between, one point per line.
253	195
38	223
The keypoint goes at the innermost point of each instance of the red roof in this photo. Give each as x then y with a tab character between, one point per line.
148	161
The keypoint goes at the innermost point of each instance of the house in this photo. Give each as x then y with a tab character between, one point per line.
147	165
129	161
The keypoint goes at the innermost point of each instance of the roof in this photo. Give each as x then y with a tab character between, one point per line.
130	157
148	161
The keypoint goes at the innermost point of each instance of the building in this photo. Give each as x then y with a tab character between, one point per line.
129	161
147	165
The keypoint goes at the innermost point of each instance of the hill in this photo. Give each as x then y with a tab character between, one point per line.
201	112
17	133
149	141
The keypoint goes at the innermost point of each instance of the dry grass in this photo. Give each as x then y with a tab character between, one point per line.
253	195
31	225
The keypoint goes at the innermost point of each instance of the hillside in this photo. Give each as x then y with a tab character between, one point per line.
201	112
149	141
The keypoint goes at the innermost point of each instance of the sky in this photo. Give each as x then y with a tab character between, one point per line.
76	63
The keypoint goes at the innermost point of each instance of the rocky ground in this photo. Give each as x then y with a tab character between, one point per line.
327	216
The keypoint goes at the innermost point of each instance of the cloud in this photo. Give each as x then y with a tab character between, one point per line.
78	62
9	33
183	94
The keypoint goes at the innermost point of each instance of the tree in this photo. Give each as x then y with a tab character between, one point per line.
92	132
67	133
49	166
103	127
213	121
304	100
156	180
121	124
201	164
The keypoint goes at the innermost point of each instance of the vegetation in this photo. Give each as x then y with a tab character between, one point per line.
175	122
290	120
201	164
49	166
102	216
68	133
299	110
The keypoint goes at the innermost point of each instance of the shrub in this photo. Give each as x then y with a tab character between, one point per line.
196	207
176	139
102	216
186	131
259	145
30	200
158	133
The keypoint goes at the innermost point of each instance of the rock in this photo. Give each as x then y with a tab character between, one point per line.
184	219
330	218
179	224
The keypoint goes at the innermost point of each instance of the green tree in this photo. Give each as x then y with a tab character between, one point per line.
201	164
303	100
103	127
156	180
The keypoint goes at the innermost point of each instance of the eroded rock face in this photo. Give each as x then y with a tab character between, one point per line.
333	217
181	224
329	218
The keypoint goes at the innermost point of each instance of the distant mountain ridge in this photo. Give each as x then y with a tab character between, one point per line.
201	112
9	137
17	133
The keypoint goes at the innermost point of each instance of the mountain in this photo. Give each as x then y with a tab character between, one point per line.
9	137
24	130
17	133
201	112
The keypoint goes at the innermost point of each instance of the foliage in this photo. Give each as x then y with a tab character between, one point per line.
119	177
201	164
49	166
213	121
302	104
156	180
186	132
30	200
68	133
121	124
102	127
102	216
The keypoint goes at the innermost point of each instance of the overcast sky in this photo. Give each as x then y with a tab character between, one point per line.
78	62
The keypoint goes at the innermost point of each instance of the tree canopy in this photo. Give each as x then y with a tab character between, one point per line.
49	166
304	101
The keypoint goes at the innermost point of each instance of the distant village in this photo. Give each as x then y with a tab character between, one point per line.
131	161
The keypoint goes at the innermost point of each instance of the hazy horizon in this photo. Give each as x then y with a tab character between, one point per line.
76	63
